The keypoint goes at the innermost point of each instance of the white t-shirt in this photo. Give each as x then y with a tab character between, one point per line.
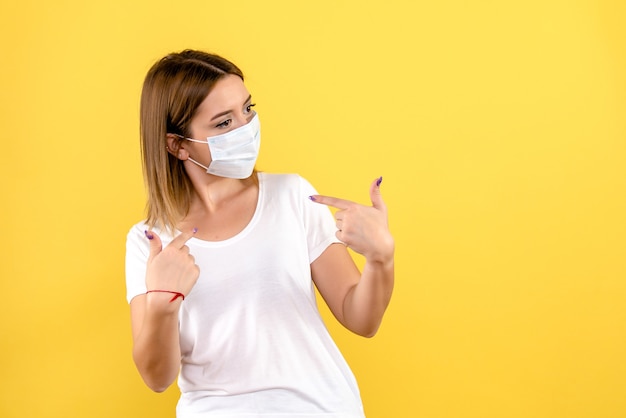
253	342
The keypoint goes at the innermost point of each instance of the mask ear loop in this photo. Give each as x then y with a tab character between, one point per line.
195	140
191	139
189	158
198	164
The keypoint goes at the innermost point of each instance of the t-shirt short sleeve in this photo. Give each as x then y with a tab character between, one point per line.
319	222
137	252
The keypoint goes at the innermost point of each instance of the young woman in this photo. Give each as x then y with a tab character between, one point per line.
220	276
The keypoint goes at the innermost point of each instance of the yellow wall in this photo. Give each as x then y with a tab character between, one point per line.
499	128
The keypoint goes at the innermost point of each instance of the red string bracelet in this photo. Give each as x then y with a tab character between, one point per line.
176	294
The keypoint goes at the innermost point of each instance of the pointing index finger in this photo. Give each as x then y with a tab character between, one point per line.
183	237
331	201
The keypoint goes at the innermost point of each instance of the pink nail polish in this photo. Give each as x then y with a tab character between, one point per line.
195	230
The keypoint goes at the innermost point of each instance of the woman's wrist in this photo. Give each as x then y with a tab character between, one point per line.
175	295
383	255
162	302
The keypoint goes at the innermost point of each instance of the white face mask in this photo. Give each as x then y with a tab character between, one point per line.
234	153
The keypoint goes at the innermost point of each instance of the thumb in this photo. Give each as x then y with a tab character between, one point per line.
155	243
375	196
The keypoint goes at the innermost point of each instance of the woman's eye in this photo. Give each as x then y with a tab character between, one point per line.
249	107
224	124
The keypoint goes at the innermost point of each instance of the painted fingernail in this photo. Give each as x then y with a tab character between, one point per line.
380	180
312	198
148	235
195	230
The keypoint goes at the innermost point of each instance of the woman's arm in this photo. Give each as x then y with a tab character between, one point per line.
357	299
156	348
154	315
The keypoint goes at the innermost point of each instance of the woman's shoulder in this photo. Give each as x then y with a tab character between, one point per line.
138	228
285	183
290	187
279	178
138	232
283	179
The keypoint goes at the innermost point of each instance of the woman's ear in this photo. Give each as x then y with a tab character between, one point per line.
175	147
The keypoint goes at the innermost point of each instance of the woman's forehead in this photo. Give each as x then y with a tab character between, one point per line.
228	92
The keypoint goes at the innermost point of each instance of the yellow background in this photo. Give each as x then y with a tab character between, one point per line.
499	128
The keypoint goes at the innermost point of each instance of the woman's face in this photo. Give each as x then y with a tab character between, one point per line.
228	106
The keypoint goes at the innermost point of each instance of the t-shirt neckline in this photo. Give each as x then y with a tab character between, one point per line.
245	231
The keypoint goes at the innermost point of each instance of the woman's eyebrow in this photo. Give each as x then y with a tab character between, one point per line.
226	112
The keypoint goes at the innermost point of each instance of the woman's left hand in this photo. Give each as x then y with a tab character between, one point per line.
364	229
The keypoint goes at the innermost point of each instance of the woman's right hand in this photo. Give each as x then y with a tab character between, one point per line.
156	341
171	268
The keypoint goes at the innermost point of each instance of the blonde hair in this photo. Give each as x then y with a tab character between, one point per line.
173	90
